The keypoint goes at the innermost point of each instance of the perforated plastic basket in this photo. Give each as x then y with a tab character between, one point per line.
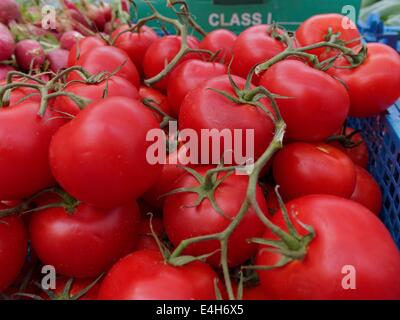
382	135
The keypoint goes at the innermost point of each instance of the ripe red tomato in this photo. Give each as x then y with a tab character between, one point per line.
146	238
374	86
187	76
144	275
301	169
171	171
82	47
24	145
220	40
316	29
112	87
182	220
157	97
349	241
163	51
203	108
108	59
358	154
250	292
88	241
253	46
367	191
318	104
20	94
108	141
13	249
135	44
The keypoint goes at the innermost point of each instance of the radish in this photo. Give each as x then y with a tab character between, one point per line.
9	10
58	59
69	38
7	44
29	52
4	70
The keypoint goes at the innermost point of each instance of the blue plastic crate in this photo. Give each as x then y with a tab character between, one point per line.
382	135
374	30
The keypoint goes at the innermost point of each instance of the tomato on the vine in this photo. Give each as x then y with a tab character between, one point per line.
85	242
82	47
373	86
135	44
101	155
302	168
352	255
221	41
315	105
144	275
183	219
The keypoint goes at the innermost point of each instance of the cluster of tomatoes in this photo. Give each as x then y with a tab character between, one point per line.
76	183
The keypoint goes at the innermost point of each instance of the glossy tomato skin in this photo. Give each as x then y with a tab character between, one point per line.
367	191
143	275
301	169
108	59
24	144
108	141
135	44
182	220
157	97
203	108
162	50
220	40
187	76
318	104
13	249
82	47
88	241
316	29
359	154
346	234
374	86
112	87
253	46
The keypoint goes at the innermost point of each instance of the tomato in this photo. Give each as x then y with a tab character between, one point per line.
156	98
203	108
182	220
367	191
108	141
253	46
146	238
87	241
78	286
163	51
318	104
135	44
187	76
24	145
250	292
112	87
108	59
316	29
359	154
350	243
221	40
375	85
82	47
171	171
143	275
13	249
301	169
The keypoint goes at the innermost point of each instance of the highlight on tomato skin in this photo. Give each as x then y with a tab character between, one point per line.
155	159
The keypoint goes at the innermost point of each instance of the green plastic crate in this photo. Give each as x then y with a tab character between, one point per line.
238	15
